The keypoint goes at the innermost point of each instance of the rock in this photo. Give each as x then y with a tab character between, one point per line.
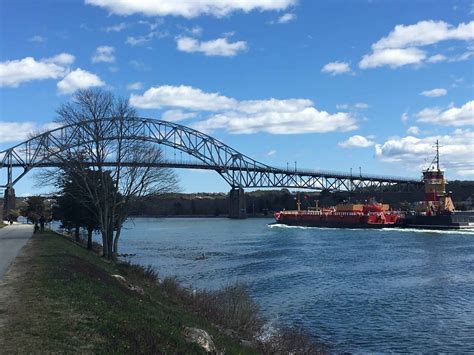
200	337
137	289
131	287
120	278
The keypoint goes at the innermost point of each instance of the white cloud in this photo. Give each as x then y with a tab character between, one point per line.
356	106
436	58
425	33
248	116
400	47
15	131
141	40
20	131
434	92
189	9
183	97
62	59
413	131
38	39
116	28
456	151
285	18
356	142
336	68
361	105
78	79
15	72
217	47
404	117
452	116
271	153
393	57
104	54
135	86
177	115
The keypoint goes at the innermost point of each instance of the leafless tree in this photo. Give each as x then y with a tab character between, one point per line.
113	188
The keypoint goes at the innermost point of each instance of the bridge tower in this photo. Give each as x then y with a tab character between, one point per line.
8	201
237	205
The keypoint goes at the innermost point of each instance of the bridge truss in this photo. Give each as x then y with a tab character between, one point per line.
237	169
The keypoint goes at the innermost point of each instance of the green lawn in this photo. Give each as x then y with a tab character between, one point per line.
66	300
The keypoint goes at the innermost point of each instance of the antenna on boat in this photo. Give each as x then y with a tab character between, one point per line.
436	159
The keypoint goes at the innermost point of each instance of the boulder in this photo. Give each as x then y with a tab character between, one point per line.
200	337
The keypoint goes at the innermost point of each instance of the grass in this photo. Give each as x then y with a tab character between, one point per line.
2	224
62	298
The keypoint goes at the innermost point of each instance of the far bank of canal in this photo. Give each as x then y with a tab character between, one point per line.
360	290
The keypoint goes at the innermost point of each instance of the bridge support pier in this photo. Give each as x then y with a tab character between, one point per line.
237	205
8	201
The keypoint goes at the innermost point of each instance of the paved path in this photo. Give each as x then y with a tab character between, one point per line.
12	239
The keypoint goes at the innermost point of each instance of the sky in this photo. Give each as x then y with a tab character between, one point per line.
330	85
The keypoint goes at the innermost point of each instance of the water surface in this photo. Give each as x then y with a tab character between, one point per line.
358	290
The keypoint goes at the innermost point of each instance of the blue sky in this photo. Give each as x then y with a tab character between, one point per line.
329	84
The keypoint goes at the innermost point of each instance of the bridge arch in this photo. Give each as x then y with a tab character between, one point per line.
41	149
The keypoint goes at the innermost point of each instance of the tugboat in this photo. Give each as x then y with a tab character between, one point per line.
436	212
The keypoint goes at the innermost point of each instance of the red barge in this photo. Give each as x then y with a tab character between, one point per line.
437	211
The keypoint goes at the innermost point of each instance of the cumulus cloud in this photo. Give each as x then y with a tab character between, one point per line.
413	131
434	92
62	59
182	97
393	57
217	47
285	18
135	86
400	47
334	68
273	116
177	115
452	116
104	54
404	117
78	79
15	72
455	151
436	58
356	142
20	131
189	9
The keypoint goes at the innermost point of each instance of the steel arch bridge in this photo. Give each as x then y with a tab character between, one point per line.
237	169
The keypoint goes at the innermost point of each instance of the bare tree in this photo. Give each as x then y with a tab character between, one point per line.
109	194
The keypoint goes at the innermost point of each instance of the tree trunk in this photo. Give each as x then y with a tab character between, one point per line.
89	238
76	234
116	239
104	244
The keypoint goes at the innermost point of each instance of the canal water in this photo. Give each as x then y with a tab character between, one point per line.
356	290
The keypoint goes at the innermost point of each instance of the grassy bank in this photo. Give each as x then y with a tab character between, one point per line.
60	297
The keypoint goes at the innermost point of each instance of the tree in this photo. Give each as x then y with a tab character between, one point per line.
111	189
75	210
34	209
